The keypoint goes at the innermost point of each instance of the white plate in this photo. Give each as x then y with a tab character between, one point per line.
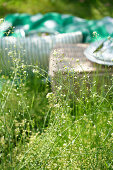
104	56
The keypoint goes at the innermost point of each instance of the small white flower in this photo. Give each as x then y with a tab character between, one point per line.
55	52
49	95
1	20
9	53
57	105
94	32
60	87
77	60
35	71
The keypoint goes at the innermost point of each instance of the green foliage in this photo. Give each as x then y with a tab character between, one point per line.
82	8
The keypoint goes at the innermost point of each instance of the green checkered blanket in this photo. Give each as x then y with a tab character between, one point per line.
22	25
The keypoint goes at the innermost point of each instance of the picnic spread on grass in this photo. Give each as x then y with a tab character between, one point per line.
38	34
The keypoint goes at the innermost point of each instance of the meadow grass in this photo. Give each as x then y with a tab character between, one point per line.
68	128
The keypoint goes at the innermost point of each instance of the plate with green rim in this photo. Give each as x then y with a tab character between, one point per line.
101	52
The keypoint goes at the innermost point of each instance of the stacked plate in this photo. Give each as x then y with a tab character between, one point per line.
101	52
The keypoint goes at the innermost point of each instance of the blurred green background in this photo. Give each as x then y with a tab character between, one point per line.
89	9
